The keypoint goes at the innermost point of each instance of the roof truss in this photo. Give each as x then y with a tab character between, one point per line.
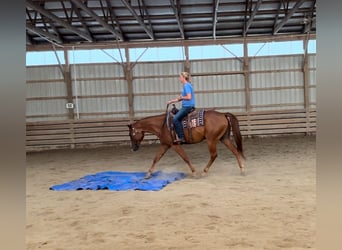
75	22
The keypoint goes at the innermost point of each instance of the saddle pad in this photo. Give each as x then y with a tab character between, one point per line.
121	181
194	120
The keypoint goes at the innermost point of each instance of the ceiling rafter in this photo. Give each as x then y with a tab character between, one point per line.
79	15
176	11
141	22
288	16
215	17
43	33
112	15
144	7
309	21
97	18
61	22
251	18
163	20
66	13
52	26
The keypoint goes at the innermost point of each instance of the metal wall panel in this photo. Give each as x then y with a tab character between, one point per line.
220	91
158	68
46	89
219	82
45	82
312	77
99	87
46	107
312	93
102	104
103	70
276	97
276	79
312	61
229	100
219	65
276	62
156	85
43	73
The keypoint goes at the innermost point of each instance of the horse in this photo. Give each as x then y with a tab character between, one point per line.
217	127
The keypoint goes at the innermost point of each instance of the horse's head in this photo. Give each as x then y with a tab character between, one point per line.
136	135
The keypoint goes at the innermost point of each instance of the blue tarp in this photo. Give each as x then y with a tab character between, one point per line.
120	181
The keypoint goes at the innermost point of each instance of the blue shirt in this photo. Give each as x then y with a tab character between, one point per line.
187	88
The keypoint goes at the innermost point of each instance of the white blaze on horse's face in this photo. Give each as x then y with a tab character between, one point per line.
137	135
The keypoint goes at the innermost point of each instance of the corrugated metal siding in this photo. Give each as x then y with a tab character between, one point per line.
156	83
93	84
102	105
229	100
97	71
276	79
276	62
100	87
49	89
220	91
45	82
312	61
43	73
283	96
209	66
277	90
46	107
312	93
158	68
219	82
312	77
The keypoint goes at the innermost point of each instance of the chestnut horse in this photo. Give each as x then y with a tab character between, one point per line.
217	126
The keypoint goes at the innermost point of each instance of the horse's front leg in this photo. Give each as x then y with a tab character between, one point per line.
185	157
161	151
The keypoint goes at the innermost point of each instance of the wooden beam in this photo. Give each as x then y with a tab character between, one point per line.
174	42
55	18
68	83
129	79
97	18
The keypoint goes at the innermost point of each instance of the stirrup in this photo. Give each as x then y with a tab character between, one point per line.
179	141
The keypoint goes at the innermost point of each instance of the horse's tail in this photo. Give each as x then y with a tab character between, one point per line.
236	132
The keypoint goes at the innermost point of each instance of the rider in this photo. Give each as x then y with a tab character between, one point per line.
188	104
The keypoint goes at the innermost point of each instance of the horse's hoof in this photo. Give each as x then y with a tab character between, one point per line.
204	174
242	173
148	175
193	175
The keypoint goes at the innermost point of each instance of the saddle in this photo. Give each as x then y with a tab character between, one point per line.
192	120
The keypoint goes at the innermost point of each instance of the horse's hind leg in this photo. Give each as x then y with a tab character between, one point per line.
234	150
213	155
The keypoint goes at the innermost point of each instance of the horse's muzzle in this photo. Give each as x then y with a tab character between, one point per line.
135	147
